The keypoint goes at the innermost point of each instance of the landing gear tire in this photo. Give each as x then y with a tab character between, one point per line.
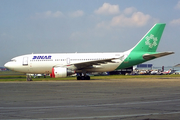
83	77
87	78
78	77
28	78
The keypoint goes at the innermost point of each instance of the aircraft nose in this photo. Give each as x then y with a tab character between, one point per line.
7	65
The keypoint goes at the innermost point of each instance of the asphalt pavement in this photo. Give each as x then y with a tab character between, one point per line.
120	99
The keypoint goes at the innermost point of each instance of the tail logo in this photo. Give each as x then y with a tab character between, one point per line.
151	41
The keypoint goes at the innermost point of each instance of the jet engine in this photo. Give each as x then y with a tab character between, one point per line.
61	72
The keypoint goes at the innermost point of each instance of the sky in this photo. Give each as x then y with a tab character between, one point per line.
69	26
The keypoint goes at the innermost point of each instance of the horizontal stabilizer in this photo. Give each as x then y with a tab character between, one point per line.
156	55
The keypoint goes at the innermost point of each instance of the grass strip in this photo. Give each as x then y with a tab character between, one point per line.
6	78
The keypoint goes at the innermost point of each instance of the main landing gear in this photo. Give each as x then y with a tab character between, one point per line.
85	77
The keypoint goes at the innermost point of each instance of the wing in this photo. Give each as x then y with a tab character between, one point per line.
88	64
156	55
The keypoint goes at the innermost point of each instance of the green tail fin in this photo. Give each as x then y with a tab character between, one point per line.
150	41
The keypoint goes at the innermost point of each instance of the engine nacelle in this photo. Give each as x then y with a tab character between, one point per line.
61	72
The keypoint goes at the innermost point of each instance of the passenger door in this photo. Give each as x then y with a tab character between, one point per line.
25	61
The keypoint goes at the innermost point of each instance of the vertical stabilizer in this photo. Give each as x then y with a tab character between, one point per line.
150	41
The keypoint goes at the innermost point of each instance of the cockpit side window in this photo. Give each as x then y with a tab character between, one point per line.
12	60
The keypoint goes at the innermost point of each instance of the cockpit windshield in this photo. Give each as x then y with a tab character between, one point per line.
12	60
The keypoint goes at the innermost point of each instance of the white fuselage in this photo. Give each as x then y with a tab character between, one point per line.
43	63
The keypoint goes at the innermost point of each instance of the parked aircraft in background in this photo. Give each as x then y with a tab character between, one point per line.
163	72
65	64
168	72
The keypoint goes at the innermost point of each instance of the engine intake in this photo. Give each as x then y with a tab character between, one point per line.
58	72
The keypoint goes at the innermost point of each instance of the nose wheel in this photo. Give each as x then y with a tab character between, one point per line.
28	78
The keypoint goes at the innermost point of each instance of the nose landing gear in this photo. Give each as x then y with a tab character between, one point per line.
28	77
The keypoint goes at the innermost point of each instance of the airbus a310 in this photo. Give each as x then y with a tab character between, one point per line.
65	64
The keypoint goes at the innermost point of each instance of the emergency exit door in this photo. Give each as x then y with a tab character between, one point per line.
68	61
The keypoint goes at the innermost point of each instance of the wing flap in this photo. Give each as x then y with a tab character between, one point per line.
156	55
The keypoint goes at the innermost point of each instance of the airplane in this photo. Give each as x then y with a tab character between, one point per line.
65	64
168	72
